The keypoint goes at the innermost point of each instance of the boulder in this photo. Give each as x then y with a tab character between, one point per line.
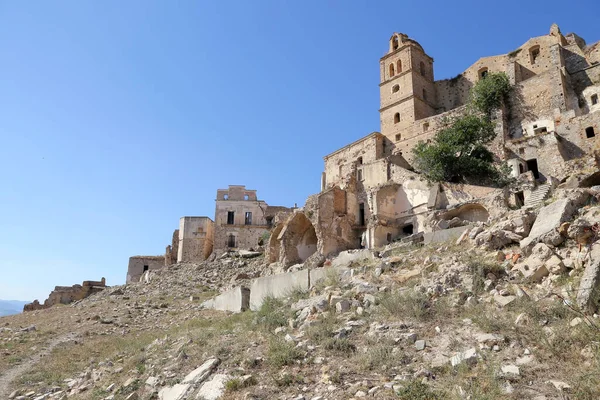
548	221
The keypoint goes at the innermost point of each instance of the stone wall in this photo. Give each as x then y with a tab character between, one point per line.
172	249
139	264
68	294
196	237
241	220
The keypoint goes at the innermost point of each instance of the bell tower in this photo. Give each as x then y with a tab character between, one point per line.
407	92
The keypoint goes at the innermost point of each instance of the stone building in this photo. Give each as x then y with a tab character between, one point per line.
196	235
140	264
546	132
68	294
241	220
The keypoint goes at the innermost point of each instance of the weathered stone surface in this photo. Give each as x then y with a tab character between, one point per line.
503	301
587	295
214	388
445	234
180	390
468	357
549	219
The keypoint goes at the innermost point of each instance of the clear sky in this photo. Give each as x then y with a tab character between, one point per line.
119	117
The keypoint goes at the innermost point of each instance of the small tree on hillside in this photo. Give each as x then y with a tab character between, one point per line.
458	152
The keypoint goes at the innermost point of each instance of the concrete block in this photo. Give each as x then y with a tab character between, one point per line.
279	285
445	234
236	300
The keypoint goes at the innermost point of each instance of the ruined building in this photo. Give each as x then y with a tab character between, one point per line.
68	294
242	221
370	194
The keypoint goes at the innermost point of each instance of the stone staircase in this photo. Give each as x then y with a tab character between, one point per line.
538	195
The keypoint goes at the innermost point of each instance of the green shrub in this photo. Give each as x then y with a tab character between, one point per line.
282	353
419	391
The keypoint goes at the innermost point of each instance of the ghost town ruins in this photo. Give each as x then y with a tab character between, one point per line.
371	195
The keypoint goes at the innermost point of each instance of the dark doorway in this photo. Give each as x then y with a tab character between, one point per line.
589	132
230	217
389	238
521	169
145	268
231	241
408	229
361	214
519	199
533	167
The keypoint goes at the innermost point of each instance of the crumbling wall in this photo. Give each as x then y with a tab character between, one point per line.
172	249
196	237
68	294
140	264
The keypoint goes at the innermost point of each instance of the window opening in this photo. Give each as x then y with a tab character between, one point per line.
541	129
398	137
246	197
424	94
391	70
361	214
230	217
534	54
269	221
422	68
359	160
594	99
359	173
519	199
340	171
396	118
145	268
399	66
589	132
533	167
521	169
225	197
425	126
483	72
395	43
408	229
395	88
248	218
389	237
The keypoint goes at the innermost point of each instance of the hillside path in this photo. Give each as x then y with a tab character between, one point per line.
12	373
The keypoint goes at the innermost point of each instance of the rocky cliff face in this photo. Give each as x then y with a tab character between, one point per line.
505	310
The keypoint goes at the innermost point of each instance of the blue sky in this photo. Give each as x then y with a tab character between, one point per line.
119	117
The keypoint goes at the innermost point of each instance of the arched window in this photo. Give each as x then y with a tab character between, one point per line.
396	118
246	197
395	88
391	70
422	68
398	66
359	160
483	72
395	43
